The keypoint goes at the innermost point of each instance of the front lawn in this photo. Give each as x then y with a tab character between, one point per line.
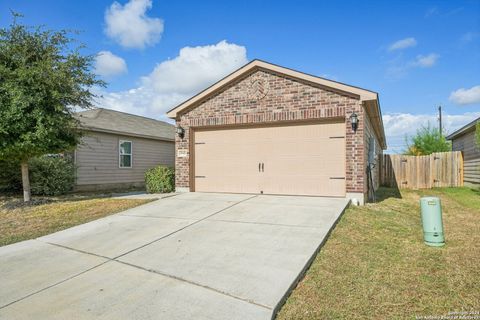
376	266
19	223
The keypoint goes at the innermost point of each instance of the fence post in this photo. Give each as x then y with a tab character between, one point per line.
461	171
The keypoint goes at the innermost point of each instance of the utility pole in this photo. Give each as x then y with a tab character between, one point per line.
440	119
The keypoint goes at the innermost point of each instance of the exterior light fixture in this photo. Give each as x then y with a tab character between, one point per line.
180	132
354	121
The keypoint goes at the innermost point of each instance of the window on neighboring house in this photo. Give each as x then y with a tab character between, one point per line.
125	154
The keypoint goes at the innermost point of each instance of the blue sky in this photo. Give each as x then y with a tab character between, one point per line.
154	54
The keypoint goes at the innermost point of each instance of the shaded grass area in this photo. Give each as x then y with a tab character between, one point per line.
376	266
18	223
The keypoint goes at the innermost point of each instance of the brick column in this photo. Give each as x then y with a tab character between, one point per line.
355	162
182	168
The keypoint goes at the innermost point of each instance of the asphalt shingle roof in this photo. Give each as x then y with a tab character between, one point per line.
464	129
106	120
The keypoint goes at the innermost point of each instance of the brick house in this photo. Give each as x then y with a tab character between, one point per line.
272	130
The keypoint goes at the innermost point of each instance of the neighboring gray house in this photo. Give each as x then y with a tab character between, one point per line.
119	147
464	140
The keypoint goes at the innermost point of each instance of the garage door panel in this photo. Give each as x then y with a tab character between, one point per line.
224	163
286	168
310	186
303	159
243	184
306	147
298	159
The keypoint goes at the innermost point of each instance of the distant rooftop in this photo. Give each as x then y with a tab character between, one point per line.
111	121
466	128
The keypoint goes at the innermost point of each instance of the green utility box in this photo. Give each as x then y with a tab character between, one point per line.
432	221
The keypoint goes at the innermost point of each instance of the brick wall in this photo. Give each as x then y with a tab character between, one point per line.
266	97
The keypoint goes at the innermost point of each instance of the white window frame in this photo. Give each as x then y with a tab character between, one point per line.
125	154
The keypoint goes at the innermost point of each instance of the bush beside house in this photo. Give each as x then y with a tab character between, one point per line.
50	176
10	176
160	179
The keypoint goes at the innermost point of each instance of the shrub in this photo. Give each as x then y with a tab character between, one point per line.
427	141
160	180
10	176
51	176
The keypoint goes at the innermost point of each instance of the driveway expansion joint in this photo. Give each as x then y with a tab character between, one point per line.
268	224
183	228
54	284
153	217
107	259
73	249
195	284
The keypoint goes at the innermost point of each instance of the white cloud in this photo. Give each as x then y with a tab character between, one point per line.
464	96
435	11
175	80
399	69
195	67
426	61
395	72
130	26
432	11
469	37
399	125
403	44
108	65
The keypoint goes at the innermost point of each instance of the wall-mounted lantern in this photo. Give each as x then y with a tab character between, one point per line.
180	132
354	121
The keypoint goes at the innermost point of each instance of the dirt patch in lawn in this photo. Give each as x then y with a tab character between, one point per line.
376	266
19	223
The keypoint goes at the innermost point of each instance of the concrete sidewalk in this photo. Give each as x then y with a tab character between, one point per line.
193	255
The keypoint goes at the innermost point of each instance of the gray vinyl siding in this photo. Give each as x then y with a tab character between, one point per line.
97	159
471	156
370	133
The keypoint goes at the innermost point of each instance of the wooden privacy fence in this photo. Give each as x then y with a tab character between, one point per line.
442	169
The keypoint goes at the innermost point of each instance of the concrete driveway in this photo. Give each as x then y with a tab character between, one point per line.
190	256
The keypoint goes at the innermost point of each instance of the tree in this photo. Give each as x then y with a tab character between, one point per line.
426	141
43	77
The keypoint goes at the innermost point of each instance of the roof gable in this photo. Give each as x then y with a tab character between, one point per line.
266	90
466	128
369	98
362	94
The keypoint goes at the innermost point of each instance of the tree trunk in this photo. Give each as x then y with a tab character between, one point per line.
25	182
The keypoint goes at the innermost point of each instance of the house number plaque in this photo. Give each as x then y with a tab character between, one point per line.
182	153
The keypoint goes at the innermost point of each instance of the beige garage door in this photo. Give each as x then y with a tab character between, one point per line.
295	159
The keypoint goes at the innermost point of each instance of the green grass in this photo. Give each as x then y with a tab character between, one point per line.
376	266
30	222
